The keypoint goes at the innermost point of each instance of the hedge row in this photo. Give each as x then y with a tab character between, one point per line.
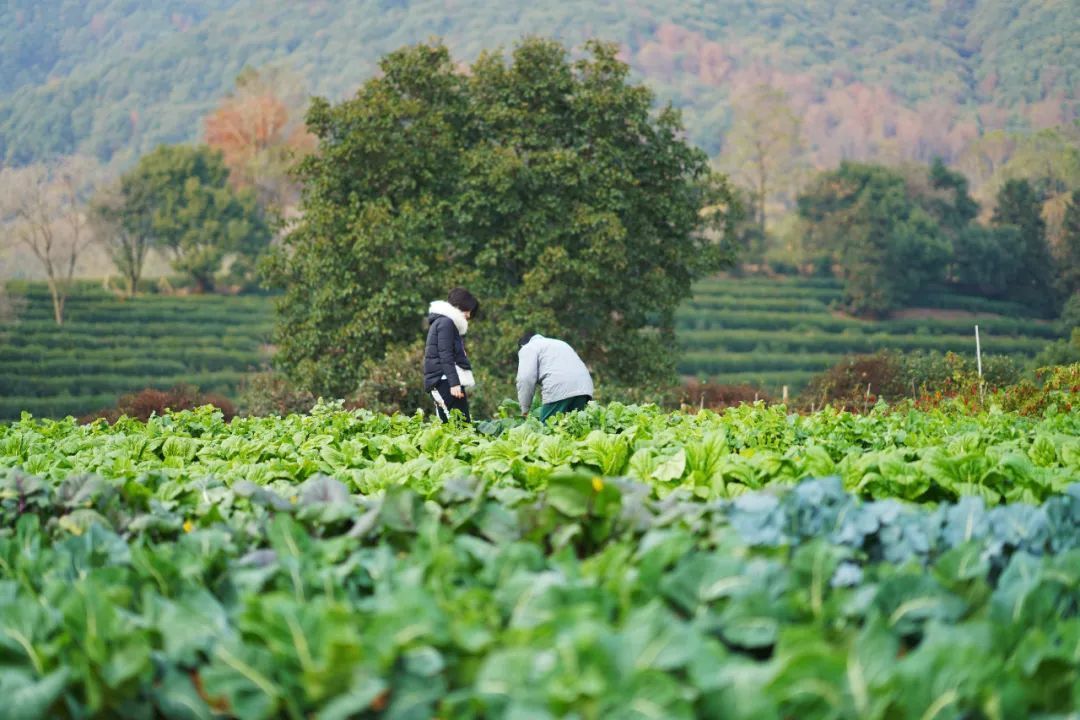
110	363
699	319
703	343
119	346
780	289
968	303
825	292
148	291
736	303
79	385
32	332
710	363
59	406
770	382
148	315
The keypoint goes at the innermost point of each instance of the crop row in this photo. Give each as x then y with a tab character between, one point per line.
622	561
698	319
479	603
918	456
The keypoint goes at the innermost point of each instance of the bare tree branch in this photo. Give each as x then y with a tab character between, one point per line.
44	209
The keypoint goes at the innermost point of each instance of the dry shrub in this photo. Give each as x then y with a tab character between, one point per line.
394	383
270	393
857	382
717	396
143	404
1059	386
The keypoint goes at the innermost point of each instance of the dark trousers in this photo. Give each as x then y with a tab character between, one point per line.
445	403
578	402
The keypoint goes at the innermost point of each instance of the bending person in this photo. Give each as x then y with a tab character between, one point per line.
565	383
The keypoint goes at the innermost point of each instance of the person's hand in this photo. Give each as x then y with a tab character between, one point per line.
457	392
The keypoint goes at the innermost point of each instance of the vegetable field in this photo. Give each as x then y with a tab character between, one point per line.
109	346
774	332
623	563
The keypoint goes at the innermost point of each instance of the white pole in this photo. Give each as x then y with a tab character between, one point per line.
978	351
978	362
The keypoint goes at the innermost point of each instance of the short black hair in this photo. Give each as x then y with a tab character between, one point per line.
524	339
463	300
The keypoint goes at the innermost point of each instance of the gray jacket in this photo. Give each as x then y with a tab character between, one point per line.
554	365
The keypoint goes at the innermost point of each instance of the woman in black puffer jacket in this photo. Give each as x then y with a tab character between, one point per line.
447	371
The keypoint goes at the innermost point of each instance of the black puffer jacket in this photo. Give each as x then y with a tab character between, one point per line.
443	351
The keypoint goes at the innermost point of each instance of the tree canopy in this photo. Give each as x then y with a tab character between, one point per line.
547	186
887	245
260	132
895	232
1069	250
180	196
1020	207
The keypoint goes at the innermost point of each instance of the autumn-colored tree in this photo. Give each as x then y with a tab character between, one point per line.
764	148
260	132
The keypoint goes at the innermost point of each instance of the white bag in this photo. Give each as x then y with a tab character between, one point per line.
465	377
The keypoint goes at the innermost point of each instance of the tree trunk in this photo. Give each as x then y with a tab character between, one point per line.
203	284
132	283
763	180
57	302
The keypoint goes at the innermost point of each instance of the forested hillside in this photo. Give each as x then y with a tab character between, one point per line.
873	79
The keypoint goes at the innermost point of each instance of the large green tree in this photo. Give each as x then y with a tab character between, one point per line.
1020	207
180	196
549	187
983	258
887	245
1069	250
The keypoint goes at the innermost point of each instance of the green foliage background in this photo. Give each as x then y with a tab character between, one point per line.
115	78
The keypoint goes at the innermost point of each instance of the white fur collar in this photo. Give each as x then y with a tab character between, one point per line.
441	307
